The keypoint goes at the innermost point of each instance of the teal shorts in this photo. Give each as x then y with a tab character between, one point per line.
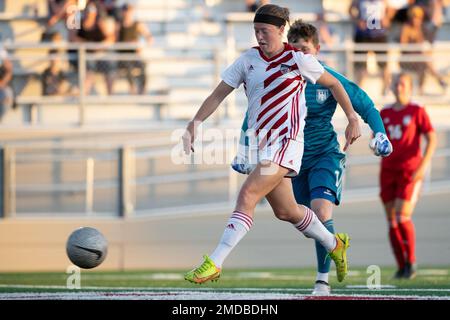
326	174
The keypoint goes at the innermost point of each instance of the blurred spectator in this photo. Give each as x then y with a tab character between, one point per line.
53	78
325	32
398	10
96	27
252	5
111	8
434	16
130	31
6	92
412	33
371	22
59	13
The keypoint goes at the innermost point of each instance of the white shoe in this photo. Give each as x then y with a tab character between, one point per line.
321	288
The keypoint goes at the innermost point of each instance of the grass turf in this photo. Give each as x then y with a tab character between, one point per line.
432	281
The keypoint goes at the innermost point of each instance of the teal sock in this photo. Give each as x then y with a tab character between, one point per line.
323	261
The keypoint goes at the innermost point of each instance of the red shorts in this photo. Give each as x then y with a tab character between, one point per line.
398	184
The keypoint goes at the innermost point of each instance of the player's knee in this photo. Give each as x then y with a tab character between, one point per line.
404	216
283	214
322	213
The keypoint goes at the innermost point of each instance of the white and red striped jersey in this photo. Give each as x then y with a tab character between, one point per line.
275	90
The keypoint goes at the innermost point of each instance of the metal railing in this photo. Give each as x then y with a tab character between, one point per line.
70	181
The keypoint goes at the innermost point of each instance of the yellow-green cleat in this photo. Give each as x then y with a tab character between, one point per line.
339	255
206	272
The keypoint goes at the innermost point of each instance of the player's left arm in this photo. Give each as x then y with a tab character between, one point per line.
314	72
353	131
431	141
365	107
361	102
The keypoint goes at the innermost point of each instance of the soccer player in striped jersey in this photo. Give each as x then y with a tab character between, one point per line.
402	173
319	183
274	75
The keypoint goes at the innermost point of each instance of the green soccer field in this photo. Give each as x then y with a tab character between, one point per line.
430	283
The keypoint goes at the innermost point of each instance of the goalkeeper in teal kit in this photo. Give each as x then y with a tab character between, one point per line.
319	183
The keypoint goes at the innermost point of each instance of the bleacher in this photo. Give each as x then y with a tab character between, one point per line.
191	47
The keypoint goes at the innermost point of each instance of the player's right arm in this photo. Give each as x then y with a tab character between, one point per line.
232	77
207	108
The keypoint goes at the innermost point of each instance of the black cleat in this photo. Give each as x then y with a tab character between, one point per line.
410	271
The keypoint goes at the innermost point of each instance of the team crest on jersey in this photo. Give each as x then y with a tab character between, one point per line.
284	68
322	95
386	120
406	120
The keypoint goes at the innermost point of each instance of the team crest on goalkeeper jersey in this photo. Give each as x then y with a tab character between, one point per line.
322	95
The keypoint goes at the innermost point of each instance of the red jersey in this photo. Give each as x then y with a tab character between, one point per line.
404	128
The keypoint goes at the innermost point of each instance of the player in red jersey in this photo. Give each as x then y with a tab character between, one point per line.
402	172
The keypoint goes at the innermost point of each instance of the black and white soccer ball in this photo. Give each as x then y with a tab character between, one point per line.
87	247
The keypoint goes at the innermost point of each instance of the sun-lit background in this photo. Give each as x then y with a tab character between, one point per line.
90	137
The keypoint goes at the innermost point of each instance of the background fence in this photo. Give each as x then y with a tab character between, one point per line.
143	179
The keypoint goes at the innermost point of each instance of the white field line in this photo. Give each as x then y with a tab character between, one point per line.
174	289
430	274
189	295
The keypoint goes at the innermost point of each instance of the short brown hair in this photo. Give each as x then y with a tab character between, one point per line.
303	30
274	10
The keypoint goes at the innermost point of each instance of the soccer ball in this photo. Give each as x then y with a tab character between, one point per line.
87	247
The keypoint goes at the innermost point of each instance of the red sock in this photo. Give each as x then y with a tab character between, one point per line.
409	237
397	245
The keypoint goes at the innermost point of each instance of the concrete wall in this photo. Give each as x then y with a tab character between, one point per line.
179	242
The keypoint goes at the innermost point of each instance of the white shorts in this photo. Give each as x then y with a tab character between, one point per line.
287	154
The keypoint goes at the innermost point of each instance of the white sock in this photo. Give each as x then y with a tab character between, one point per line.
237	227
311	227
322	277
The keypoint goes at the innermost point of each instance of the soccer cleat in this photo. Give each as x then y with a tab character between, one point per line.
206	272
321	288
399	274
339	255
410	271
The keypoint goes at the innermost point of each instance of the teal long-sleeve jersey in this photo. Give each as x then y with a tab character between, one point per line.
319	134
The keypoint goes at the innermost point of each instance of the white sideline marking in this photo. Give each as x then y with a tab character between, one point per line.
363	286
196	295
174	289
